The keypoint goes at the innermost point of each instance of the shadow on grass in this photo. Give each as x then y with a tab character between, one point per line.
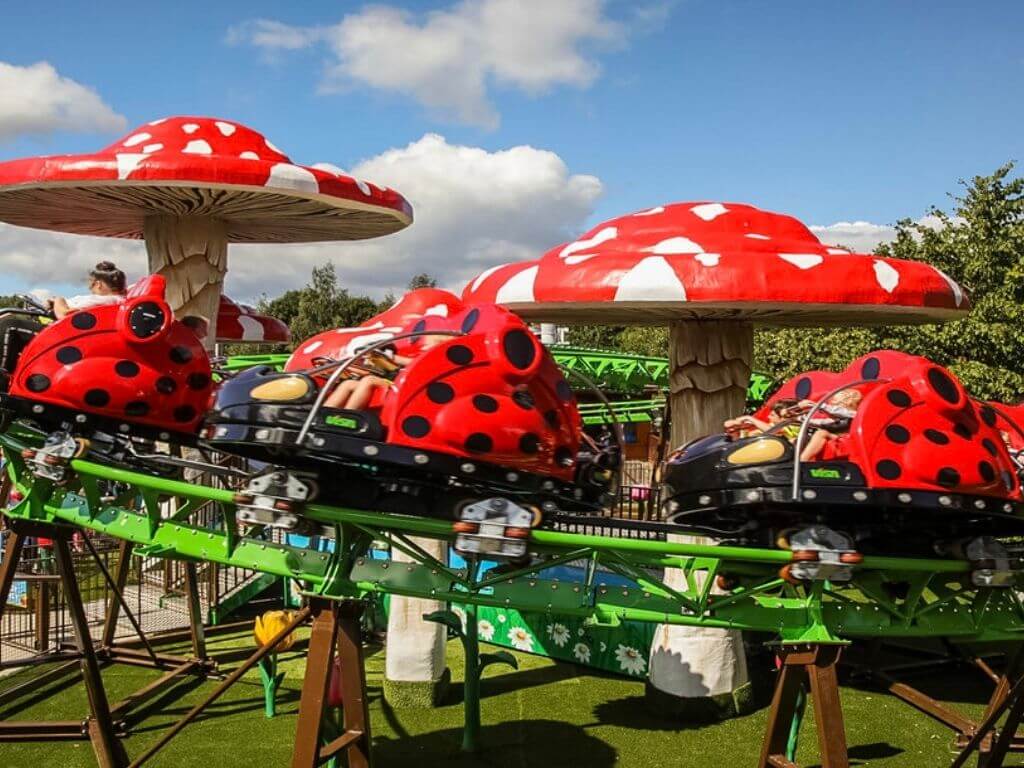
519	680
863	754
518	743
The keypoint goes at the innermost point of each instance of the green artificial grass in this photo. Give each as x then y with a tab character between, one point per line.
546	714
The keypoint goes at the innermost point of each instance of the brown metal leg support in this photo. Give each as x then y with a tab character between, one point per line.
124	554
195	612
109	753
812	665
335	629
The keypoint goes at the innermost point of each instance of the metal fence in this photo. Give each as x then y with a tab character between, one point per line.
35	619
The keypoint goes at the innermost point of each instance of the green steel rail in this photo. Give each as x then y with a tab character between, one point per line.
615	372
887	596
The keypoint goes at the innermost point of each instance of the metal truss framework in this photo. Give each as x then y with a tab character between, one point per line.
887	596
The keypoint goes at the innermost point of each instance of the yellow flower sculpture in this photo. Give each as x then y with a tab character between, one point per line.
269	624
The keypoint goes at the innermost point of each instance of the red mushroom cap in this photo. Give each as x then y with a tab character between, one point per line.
238	322
716	261
198	166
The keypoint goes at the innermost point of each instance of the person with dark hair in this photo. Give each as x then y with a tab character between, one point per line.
106	286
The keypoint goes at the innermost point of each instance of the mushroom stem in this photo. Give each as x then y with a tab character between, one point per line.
191	252
709	370
703	669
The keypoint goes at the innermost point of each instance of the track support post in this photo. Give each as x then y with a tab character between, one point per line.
108	750
336	630
806	666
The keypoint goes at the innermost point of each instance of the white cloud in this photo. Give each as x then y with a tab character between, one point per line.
863	236
473	209
37	99
448	60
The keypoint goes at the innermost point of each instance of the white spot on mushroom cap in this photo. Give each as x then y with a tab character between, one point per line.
249	155
602	236
958	292
226	129
157	122
573	260
252	329
652	279
272	147
886	275
190	128
150	148
137	138
441	310
484	275
330	168
675	245
363	187
837	251
290	176
651	211
518	288
755	236
128	162
708	259
197	147
802	260
311	348
709	211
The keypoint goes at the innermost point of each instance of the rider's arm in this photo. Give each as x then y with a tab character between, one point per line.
60	307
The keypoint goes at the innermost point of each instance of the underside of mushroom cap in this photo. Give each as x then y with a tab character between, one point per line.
196	166
727	261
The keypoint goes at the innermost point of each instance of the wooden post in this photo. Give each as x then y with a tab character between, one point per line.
195	612
814	666
105	745
335	629
124	553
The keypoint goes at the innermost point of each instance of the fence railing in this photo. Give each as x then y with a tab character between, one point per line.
35	619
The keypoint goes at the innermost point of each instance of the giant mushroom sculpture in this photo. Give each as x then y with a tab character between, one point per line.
710	271
188	186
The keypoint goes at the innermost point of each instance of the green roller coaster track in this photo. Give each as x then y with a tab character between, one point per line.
887	596
614	372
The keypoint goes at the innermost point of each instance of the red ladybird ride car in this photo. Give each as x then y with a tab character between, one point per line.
918	464
477	409
125	368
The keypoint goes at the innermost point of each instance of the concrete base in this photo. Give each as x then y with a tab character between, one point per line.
703	670
416	672
701	709
405	694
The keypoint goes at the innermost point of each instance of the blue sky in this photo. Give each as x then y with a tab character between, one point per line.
831	111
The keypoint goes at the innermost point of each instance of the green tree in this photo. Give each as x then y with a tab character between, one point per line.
285	307
323	305
422	280
594	336
981	246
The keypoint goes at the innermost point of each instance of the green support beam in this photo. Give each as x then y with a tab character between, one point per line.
887	597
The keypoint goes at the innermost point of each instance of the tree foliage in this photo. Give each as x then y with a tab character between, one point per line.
422	280
319	306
